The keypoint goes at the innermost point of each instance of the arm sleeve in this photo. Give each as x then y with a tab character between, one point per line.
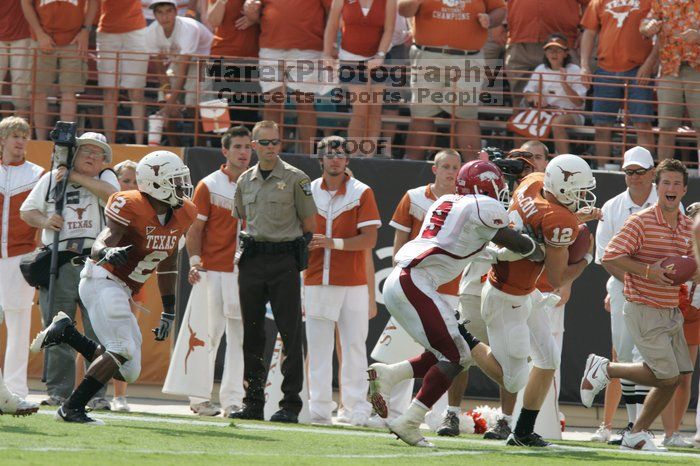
401	219
494	5
202	200
591	19
368	213
627	241
491	214
559	230
36	198
303	199
574	79
189	39
120	209
603	233
110	177
534	83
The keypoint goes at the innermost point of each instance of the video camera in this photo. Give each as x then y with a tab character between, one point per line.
511	168
63	137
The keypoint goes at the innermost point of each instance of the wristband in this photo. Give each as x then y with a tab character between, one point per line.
195	260
338	244
646	272
588	258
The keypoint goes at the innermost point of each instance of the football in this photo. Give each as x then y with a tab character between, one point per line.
680	269
580	246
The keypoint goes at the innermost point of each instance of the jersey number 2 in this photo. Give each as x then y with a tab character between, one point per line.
437	220
561	235
146	266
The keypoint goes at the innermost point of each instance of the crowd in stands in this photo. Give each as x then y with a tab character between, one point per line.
568	63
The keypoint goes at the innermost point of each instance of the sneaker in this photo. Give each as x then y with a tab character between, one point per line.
500	431
76	415
407	427
595	378
205	408
53	400
621	433
376	422
51	335
676	440
449	426
530	440
382	377
285	416
99	404
248	412
120	404
643	440
602	434
17	406
230	409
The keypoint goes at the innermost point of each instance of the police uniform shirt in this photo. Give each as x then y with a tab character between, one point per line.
274	207
82	211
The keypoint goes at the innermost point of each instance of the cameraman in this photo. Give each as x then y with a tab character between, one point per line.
89	186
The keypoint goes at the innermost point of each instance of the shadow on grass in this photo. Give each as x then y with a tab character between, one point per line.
30	429
219	433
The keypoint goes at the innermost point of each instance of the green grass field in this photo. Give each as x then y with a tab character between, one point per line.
136	439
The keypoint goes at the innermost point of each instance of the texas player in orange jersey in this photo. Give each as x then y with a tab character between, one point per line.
142	233
544	206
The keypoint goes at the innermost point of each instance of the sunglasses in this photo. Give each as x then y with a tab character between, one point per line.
638	171
335	155
268	142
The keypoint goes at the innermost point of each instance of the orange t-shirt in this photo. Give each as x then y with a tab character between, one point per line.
13	25
120	16
232	42
553	225
61	19
293	24
440	25
408	217
361	34
621	47
534	20
152	241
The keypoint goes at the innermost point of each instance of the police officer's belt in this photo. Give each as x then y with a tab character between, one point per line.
275	248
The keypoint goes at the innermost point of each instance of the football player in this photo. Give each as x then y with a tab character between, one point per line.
456	229
544	205
142	234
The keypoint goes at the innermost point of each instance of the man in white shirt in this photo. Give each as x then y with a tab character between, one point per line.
638	166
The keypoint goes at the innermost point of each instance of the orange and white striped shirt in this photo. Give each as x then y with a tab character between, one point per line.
341	215
214	200
647	238
16	182
408	217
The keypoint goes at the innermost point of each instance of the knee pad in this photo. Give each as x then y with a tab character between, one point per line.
130	371
546	355
516	380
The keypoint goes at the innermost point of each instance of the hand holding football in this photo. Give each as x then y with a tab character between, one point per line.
680	269
579	248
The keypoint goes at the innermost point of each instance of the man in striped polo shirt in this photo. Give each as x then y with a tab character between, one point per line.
651	303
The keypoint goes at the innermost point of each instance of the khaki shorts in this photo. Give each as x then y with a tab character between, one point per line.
117	64
430	94
675	94
658	336
16	55
63	62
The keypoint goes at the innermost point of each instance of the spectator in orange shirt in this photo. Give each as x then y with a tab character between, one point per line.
675	25
15	43
448	35
530	23
60	32
368	27
623	54
121	34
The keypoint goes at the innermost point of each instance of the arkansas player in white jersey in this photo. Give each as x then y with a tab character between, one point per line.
457	227
142	233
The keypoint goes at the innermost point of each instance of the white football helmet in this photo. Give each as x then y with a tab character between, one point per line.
569	178
164	176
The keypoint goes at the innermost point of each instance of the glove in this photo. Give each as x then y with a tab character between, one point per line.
115	256
537	255
163	330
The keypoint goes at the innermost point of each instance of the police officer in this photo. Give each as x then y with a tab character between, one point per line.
275	200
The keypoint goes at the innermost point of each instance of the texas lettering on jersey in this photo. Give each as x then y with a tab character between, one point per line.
152	241
548	223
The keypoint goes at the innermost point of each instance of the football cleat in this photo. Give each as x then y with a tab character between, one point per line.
99	404
643	441
407	427
530	440
621	433
53	334
676	440
449	426
77	416
595	378
382	378
602	434
120	404
500	431
16	406
205	408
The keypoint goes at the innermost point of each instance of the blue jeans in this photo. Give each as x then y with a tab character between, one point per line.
610	85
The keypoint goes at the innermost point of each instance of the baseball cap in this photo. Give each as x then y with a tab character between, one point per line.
638	156
96	139
155	3
555	40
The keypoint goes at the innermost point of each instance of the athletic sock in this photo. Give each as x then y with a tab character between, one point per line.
435	384
84	393
526	422
454	409
80	343
422	363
